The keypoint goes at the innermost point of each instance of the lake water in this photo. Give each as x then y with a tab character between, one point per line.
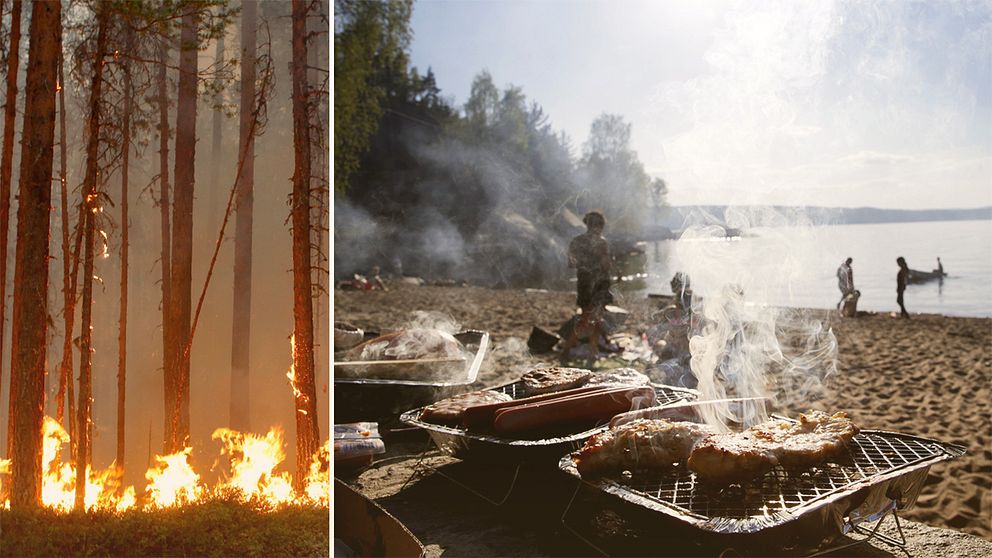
965	248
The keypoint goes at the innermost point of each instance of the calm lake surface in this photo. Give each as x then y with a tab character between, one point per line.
965	248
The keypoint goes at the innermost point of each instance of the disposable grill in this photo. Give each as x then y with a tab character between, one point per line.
883	472
358	398
460	443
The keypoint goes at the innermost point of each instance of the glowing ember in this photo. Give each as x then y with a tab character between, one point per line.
292	370
172	480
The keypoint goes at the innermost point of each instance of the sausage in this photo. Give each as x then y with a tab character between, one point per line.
482	416
584	408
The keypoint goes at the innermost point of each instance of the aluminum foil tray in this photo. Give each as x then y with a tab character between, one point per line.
462	444
358	399
883	471
435	372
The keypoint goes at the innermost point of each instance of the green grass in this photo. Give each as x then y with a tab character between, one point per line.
215	527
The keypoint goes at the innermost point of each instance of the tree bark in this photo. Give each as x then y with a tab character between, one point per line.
6	172
216	159
91	204
307	429
241	331
65	372
30	308
177	421
168	367
125	225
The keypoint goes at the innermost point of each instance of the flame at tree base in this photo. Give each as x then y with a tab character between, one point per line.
172	481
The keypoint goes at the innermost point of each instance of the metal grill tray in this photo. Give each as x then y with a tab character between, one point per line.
359	399
883	471
460	443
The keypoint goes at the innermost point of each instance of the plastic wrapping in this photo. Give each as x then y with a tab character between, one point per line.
357	440
885	471
462	444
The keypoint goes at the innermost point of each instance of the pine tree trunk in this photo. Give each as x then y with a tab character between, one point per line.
168	367
91	203
307	429
6	172
319	212
125	225
241	332
68	285
216	159
177	420
30	309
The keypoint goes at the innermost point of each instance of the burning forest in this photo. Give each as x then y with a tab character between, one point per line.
163	268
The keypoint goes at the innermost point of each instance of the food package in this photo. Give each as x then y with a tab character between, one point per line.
356	444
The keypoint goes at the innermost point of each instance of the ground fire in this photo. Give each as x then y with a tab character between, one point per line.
172	481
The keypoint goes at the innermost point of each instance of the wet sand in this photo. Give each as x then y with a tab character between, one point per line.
928	376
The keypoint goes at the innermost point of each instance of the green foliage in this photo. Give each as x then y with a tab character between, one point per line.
216	527
613	177
370	42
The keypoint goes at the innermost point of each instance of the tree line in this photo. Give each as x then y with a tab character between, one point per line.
135	68
492	181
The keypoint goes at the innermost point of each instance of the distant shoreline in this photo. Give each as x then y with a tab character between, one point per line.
674	217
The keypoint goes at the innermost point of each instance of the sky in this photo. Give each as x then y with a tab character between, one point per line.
838	104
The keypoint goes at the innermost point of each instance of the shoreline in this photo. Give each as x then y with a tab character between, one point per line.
928	376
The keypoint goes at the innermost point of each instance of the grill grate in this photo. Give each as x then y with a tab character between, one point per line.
779	493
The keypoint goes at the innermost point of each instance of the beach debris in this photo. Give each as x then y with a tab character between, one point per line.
542	341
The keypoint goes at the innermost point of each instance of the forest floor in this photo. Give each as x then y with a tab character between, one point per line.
211	528
929	376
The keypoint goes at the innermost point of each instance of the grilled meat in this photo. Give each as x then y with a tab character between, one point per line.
739	457
619	377
639	444
554	378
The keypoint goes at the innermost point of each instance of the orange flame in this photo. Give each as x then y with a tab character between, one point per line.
4	470
318	481
253	459
58	483
172	480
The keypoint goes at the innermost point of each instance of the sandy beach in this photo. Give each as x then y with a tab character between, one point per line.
929	376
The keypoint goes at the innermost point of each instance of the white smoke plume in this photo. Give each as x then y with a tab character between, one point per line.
741	345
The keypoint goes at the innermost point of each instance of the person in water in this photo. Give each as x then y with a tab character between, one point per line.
901	279
845	280
589	254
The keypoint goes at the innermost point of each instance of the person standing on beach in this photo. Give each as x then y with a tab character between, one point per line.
901	279
589	254
845	280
